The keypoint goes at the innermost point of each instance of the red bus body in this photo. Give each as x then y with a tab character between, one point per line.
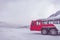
52	26
34	27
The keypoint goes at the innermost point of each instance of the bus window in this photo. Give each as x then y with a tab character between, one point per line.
32	24
59	21
37	23
50	22
56	22
44	22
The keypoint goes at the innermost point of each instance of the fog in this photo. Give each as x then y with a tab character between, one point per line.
22	12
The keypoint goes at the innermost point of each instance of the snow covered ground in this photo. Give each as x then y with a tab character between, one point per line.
24	34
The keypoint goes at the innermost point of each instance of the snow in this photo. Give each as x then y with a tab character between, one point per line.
55	15
24	34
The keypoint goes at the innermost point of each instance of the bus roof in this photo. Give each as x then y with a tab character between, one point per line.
47	19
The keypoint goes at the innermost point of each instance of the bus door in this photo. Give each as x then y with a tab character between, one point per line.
38	25
32	26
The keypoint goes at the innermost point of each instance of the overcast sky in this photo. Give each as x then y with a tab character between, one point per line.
23	11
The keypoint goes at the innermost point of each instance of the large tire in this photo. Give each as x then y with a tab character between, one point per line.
44	31
53	32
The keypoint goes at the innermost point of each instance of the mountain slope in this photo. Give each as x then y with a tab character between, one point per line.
55	15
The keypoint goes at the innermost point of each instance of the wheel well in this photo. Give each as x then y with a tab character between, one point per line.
53	28
49	29
44	33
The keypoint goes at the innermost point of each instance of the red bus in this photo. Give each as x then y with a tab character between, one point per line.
46	26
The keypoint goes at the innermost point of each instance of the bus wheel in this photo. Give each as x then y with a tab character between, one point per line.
44	31
53	32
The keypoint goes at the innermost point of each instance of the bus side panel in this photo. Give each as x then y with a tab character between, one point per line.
32	26
35	27
38	28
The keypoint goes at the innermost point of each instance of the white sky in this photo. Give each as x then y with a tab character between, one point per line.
23	11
